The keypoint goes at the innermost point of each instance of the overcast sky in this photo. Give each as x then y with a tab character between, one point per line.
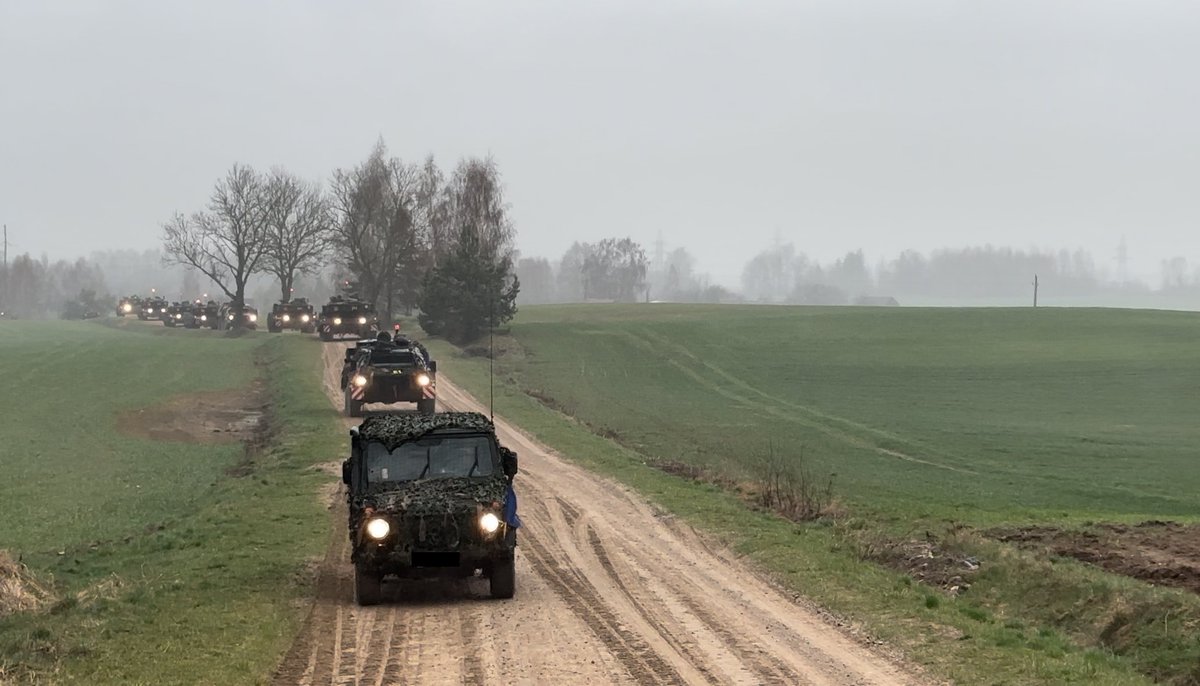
835	125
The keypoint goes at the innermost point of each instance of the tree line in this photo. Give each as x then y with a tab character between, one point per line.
407	235
782	274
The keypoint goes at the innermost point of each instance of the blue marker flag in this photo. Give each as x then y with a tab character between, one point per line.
510	508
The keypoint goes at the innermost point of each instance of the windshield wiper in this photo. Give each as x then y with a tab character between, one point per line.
475	464
426	470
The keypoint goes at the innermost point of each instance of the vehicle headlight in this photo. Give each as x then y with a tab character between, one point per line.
305	318
378	528
204	317
179	316
231	317
360	380
362	320
422	379
489	523
337	320
253	317
286	317
127	308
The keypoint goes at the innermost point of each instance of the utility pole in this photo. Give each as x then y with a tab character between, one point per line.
1035	289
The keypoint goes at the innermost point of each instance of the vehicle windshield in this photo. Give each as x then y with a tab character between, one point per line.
435	457
396	357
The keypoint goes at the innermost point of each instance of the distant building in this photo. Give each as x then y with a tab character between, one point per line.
877	301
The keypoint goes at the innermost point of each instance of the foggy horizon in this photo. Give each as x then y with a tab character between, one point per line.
721	126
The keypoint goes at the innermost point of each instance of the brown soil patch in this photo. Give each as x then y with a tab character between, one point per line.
928	562
204	417
19	591
1161	553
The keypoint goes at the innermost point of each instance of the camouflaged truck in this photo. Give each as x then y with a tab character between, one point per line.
388	372
153	309
129	305
430	497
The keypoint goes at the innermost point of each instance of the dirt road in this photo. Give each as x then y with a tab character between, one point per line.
609	590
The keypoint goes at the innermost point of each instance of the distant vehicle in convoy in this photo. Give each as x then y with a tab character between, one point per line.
343	316
296	314
249	316
386	371
131	304
175	312
153	308
430	497
202	315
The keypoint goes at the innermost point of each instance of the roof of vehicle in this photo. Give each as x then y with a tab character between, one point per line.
395	429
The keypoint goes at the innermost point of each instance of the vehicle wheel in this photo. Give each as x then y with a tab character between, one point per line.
353	407
368	587
272	328
503	579
427	407
326	336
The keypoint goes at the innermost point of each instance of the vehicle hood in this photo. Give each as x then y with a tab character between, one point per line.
435	496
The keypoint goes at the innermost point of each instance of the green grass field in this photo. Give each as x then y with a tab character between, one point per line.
930	419
970	414
166	566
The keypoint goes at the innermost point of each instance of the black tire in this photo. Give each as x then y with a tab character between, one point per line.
353	407
308	329
427	407
368	587
326	336
503	579
272	328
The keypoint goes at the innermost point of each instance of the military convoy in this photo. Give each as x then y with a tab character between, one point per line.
430	496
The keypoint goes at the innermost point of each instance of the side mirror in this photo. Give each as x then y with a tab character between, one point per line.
346	472
433	366
508	462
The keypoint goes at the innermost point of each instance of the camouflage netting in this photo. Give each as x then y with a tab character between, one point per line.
394	429
435	496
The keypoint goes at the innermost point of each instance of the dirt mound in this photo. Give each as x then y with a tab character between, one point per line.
204	417
19	591
1161	553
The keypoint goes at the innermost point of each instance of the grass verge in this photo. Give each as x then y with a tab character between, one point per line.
566	376
168	562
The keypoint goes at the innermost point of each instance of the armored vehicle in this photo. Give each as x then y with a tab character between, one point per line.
249	316
174	314
131	304
430	497
385	372
202	315
153	308
347	317
296	314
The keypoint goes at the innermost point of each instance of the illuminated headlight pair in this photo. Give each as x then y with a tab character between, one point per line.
378	528
337	321
423	379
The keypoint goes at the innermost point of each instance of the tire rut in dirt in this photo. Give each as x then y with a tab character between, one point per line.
474	672
638	658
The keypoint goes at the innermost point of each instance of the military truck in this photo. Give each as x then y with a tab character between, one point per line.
130	304
430	497
202	315
249	316
174	314
387	372
152	309
296	314
347	316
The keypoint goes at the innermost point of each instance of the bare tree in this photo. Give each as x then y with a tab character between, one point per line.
227	242
298	229
476	205
375	230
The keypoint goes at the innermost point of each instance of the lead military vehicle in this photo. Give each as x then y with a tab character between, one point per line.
430	497
131	304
